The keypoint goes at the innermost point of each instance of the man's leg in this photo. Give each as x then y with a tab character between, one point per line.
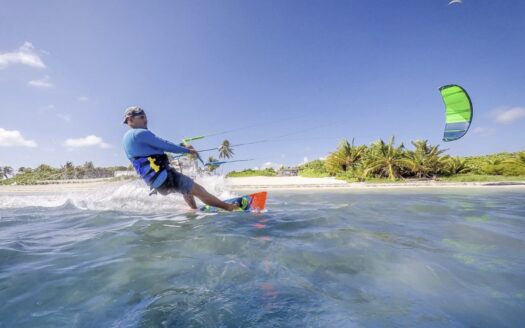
190	200
208	198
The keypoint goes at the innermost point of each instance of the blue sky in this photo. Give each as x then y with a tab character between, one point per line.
318	71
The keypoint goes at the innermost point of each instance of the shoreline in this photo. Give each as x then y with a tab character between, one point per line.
268	183
302	183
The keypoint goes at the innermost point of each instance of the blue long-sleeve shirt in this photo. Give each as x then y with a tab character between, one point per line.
142	142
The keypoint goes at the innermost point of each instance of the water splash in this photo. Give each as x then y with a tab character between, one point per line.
131	196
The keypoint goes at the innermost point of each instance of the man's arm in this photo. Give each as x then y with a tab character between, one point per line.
151	139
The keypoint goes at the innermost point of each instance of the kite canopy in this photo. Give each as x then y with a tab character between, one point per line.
458	111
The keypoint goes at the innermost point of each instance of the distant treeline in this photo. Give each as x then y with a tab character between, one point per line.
269	172
26	175
387	161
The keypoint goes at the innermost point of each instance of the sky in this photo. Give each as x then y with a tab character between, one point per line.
301	75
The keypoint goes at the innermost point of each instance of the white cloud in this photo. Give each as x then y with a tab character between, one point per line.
25	55
479	130
46	109
89	141
83	98
322	158
272	165
13	138
483	131
64	117
509	115
43	83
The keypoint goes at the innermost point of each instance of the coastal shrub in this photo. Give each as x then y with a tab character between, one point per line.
309	173
253	173
313	169
511	169
482	178
333	165
44	172
349	176
316	165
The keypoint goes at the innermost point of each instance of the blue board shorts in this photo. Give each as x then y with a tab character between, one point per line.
176	182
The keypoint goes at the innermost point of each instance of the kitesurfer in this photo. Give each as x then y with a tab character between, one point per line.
146	152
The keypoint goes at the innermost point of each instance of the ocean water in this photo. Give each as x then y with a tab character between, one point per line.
362	258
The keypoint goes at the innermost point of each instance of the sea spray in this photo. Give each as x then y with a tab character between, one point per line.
133	196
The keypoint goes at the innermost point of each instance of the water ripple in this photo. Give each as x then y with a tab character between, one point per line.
335	259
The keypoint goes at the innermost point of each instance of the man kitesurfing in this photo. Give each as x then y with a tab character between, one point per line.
146	152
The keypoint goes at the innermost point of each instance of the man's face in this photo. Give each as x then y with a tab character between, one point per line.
138	122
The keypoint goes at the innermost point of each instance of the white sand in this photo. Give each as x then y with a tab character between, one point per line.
266	183
328	183
284	183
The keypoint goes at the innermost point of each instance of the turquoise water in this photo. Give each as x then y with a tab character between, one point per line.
447	258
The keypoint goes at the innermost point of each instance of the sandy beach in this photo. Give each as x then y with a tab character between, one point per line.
327	183
266	183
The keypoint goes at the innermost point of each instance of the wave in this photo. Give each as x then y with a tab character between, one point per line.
130	197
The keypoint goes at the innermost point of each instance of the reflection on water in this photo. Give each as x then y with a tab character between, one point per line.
331	259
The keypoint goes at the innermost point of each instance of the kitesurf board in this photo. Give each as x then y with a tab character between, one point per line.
248	203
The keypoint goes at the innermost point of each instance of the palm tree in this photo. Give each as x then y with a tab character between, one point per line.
425	160
80	172
212	168
68	170
345	158
225	150
386	159
7	171
87	170
493	166
518	159
456	165
88	166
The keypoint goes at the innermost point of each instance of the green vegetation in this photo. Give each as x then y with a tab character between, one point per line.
45	172
378	162
253	173
482	178
225	150
314	169
212	168
387	162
